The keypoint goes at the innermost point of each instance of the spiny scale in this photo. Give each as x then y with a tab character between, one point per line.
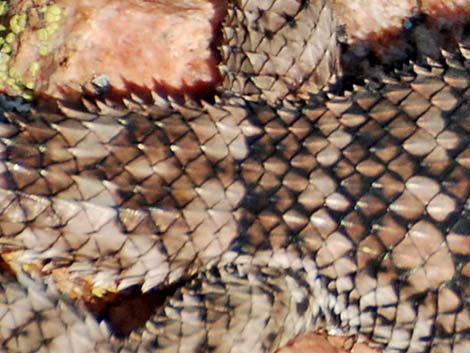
275	48
280	214
91	174
37	312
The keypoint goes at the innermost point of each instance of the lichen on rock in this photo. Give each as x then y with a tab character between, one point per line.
58	48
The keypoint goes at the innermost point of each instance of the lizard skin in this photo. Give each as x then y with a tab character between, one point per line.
281	209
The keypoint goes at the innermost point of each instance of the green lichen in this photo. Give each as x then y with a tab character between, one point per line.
10	38
44	50
9	35
99	292
28	95
52	28
4	58
12	73
26	267
3	7
52	16
18	23
23	83
42	34
52	13
6	49
34	69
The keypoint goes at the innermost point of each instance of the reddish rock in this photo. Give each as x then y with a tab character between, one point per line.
450	10
64	45
321	343
365	22
381	19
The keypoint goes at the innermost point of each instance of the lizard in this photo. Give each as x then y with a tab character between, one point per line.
277	208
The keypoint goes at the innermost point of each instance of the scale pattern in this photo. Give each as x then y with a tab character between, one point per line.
281	210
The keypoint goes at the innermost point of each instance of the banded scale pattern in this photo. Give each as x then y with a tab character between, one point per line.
275	208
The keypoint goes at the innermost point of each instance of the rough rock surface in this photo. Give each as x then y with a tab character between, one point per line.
61	47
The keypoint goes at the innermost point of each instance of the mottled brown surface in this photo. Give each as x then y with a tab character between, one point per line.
274	211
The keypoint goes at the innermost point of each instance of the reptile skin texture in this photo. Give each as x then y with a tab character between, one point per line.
276	209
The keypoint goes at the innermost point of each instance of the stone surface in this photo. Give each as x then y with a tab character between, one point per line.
135	45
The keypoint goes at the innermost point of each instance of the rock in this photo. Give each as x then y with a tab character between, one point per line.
54	49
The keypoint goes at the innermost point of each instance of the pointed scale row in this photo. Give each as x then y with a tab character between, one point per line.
126	152
373	186
126	198
406	176
275	48
152	246
35	319
232	308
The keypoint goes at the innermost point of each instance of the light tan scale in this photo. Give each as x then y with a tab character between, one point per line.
124	199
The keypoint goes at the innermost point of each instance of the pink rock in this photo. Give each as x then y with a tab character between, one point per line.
450	10
377	20
157	44
321	343
365	20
